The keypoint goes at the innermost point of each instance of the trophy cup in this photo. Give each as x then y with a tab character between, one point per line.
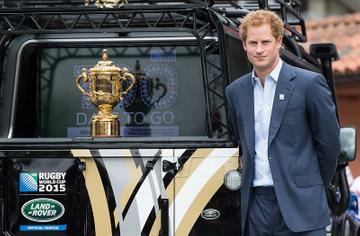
106	3
105	91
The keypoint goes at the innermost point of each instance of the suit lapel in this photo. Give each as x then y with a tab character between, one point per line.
283	93
247	113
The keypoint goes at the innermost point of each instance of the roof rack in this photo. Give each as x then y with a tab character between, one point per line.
128	18
39	16
288	10
80	3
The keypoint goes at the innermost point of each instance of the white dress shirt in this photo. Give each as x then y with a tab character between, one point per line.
263	102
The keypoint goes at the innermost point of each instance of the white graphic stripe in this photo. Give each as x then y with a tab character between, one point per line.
167	152
144	201
112	166
148	152
197	181
156	184
179	152
114	152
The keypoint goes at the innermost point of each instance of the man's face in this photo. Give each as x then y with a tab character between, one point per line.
262	49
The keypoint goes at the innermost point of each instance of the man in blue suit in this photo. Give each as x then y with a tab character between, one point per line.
285	120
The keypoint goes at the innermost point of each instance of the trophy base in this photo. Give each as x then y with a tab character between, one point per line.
105	128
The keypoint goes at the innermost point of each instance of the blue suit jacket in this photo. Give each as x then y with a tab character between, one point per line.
303	144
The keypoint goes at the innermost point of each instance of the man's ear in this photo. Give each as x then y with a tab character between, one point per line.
244	45
279	41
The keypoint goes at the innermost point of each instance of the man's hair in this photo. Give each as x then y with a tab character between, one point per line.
261	17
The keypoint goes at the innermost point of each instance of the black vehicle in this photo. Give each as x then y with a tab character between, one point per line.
174	170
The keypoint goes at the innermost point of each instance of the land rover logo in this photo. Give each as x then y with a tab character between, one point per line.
42	210
210	214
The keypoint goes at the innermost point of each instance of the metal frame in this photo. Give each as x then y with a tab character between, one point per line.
221	107
195	17
29	16
192	19
35	3
288	10
8	146
128	19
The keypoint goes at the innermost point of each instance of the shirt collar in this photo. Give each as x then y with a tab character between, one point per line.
274	74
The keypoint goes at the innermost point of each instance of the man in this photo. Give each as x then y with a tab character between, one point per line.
285	121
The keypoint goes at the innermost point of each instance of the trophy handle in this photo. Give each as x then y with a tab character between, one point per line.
84	76
133	81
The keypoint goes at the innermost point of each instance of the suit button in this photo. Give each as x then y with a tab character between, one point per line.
270	158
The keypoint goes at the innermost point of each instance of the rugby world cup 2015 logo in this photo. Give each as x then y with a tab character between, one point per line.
28	182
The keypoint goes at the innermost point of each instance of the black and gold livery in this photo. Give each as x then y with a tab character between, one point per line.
119	191
171	171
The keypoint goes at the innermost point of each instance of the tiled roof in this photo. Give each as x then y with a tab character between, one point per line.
344	31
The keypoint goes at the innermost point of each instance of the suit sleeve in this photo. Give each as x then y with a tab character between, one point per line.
232	117
324	127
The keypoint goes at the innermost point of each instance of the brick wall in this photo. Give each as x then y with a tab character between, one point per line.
348	98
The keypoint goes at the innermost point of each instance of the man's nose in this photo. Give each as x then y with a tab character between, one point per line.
259	48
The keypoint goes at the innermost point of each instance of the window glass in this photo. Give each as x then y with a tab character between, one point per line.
167	100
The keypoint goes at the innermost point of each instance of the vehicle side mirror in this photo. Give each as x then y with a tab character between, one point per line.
348	144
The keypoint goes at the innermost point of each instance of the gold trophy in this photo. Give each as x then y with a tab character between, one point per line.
106	3
105	92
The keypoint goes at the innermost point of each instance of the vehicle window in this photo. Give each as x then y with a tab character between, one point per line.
167	100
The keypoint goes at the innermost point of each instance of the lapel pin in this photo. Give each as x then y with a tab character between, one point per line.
281	96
